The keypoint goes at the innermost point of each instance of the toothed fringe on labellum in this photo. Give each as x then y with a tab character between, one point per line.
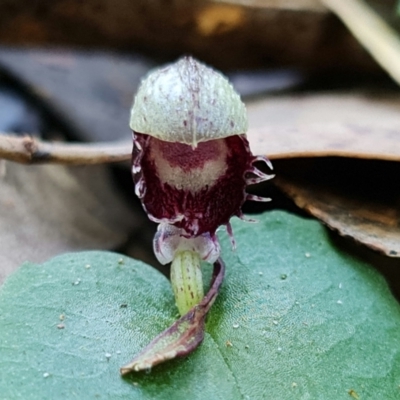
191	160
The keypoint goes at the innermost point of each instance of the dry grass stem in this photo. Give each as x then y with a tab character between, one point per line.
378	38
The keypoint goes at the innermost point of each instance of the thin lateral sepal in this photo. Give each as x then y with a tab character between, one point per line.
184	336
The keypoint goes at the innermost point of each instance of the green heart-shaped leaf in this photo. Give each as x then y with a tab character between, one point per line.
295	318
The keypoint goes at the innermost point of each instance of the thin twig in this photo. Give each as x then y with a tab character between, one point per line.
378	38
29	150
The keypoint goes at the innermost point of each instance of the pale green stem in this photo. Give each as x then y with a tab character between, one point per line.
186	280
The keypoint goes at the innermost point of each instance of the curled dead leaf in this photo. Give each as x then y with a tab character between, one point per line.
358	199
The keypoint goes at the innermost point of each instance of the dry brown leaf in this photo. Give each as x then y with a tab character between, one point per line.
358	199
360	125
47	210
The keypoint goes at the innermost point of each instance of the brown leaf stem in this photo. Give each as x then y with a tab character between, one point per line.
183	336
